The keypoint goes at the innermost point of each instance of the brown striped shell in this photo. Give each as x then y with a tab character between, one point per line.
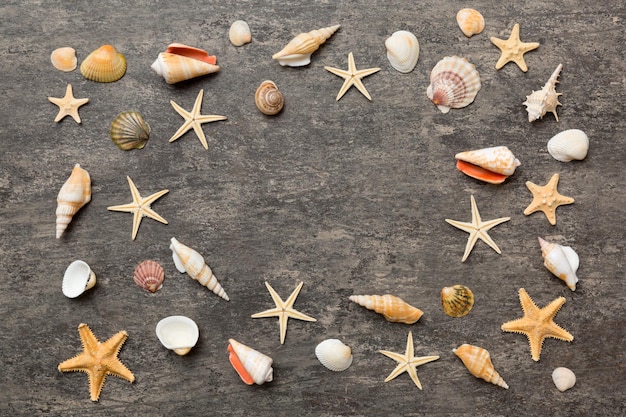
454	83
104	65
268	98
149	275
457	301
129	131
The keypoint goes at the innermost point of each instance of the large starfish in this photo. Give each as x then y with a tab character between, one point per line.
98	360
283	310
546	199
537	324
352	77
407	362
478	230
68	105
140	207
513	49
194	120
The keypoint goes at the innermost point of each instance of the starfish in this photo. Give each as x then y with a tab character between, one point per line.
140	207
537	324
283	310
68	105
513	49
407	362
194	120
352	77
546	199
98	360
477	230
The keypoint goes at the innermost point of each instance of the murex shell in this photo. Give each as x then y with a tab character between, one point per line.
569	145
77	279
182	62
239	33
457	301
75	193
104	65
538	103
478	362
251	365
64	59
492	165
470	21
563	378
268	99
129	131
562	261
334	355
298	51
403	50
178	333
149	275
393	308
454	83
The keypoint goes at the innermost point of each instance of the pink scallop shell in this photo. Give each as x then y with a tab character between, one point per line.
149	275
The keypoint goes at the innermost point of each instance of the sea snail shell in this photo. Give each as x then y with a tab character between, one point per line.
269	100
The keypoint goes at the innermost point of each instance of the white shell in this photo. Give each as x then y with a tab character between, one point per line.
563	378
257	365
470	21
569	145
538	103
334	355
77	279
562	261
403	50
239	33
454	83
178	333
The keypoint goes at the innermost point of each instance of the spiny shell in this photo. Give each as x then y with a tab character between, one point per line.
298	51
569	145
149	275
77	279
251	365
75	193
64	59
269	100
538	103
457	301
178	333
492	165
563	378
239	33
454	83
182	62
104	65
478	362
393	308
562	261
403	50
470	21
129	131
334	355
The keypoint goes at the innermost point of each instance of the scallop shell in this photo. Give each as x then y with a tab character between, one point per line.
298	51
77	279
64	59
74	194
470	21
239	33
269	100
149	275
563	378
454	83
403	50
334	355
182	62
457	301
104	65
251	365
478	362
562	261
538	103
129	131
393	308
492	165
178	333
569	145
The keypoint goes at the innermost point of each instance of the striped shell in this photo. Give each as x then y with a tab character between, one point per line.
492	165
457	301
334	355
239	33
478	362
268	99
181	62
454	83
74	194
149	275
252	366
64	59
129	131
569	145
298	51
104	65
470	21
393	308
403	50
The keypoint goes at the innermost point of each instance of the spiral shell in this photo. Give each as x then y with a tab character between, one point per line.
470	21
178	333
393	308
493	165
64	59
269	100
129	131
563	378
104	65
457	301
239	33
569	145
298	51
149	275
251	365
562	261
538	103
334	355
74	194
454	83
403	50
478	362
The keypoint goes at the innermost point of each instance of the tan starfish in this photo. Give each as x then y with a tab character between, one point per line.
352	77
68	105
513	49
546	199
478	230
537	324
98	360
407	362
283	310
194	120
140	207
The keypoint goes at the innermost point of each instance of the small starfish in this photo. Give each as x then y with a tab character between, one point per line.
407	362
68	105
546	199
194	120
537	324
98	360
353	77
140	207
477	230
283	310
513	49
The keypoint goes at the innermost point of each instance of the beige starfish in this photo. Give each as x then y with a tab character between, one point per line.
140	207
98	360
283	310
546	199
477	230
68	105
407	362
537	323
194	120
352	77
513	49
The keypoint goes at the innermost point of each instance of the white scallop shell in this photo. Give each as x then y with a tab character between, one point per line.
239	33
454	83
77	279
563	378
178	333
569	145
334	355
403	50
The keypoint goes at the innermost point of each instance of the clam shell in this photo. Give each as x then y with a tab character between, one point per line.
478	362
64	59
563	378
454	83
334	355
298	51
470	21
482	164
74	194
104	65
129	131
178	333
77	279
562	261
239	33
403	50
149	275
393	308
251	365
457	301
175	68
268	99
569	145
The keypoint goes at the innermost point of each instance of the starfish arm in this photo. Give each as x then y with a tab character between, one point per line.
298	315
409	347
282	323
134	191
339	72
482	235
96	382
87	338
208	118
351	64
359	85
466	227
184	113
137	216
398	357
79	362
200	133
148	212
275	297
522	326
401	368
554	307
365	72
181	130
471	241
152	198
130	207
197	104
292	297
476	220
413	373
268	313
344	88
557	332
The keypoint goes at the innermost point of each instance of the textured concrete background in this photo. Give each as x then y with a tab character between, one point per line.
349	197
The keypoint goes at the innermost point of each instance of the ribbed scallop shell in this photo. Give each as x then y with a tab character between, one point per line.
129	131
569	145
298	51
104	65
538	103
334	355
64	59
562	261
403	50
478	362
75	193
482	164
268	99
457	301
178	333
563	378
239	33
470	21
393	308
149	275
251	365
454	83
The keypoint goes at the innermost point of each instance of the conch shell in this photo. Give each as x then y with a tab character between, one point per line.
104	65
298	51
563	378
478	362
403	50
562	261
569	145
268	99
75	193
181	62
334	355
454	83
538	103
492	165
457	301
239	33
470	21
393	308
251	365
64	59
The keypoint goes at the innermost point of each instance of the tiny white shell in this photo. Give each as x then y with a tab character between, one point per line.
77	279
563	378
569	145
239	33
334	355
178	333
403	50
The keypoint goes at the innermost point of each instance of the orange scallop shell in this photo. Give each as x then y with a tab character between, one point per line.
149	275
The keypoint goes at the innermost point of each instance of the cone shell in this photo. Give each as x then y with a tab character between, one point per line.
478	362
77	279
104	65
457	301
129	131
562	261
334	355
189	261
178	333
454	83
251	365
191	52
239	33
298	51
538	103
569	145
403	50
175	68
149	275
470	21
64	59
393	308
75	193
268	99
492	165
563	378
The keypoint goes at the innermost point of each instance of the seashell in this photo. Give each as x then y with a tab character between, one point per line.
149	275
189	261
181	62
478	362
64	59
563	378
569	145
75	193
239	33
334	355
457	301
251	365
104	65
298	51
393	308
454	83
403	50
77	279
129	131
269	100
178	333
492	165
562	261
470	21
538	103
